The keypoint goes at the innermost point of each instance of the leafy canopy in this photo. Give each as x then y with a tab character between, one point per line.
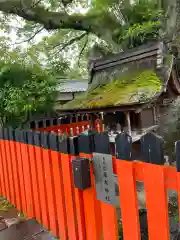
23	91
117	24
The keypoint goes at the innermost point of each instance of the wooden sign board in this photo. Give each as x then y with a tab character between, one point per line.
104	178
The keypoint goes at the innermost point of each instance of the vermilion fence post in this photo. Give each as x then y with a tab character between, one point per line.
74	151
25	174
11	161
109	217
69	190
55	145
20	171
156	202
41	178
9	166
49	181
154	181
128	200
92	207
127	188
2	166
15	168
177	147
28	176
35	186
6	173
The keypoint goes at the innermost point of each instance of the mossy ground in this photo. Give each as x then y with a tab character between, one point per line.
5	206
137	87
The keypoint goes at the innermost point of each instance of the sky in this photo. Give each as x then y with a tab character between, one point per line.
13	34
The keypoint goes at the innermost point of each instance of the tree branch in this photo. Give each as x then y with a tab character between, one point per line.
32	37
71	41
82	50
49	19
90	23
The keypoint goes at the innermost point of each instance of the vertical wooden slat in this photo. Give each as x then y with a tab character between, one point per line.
69	193
109	218
127	188
177	148
35	186
1	175
69	197
25	174
2	168
78	194
28	176
110	228
15	168
92	207
58	187
156	202
154	180
41	179
9	166
20	171
80	214
12	162
128	200
4	157
49	183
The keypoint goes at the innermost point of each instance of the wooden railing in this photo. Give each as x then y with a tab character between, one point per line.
36	176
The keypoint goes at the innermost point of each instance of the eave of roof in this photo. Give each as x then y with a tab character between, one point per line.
72	86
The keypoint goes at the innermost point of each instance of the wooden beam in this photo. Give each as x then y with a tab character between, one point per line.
128	122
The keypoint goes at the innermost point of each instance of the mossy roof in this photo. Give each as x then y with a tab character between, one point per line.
136	87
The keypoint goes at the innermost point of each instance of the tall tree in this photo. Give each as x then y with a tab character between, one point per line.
26	85
103	18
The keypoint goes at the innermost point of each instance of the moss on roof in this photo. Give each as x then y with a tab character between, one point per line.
130	88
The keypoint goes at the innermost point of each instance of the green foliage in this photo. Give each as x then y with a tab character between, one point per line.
23	91
132	23
139	34
143	23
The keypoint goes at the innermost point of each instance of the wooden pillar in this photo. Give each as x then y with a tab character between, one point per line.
102	116
128	122
155	115
71	119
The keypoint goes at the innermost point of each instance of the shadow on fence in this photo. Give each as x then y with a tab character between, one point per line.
67	184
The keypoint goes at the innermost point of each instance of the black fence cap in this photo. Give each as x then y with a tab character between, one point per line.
53	140
177	149
30	137
45	143
86	142
11	134
63	144
152	149
1	134
25	137
123	146
22	136
37	140
17	134
6	134
102	144
74	146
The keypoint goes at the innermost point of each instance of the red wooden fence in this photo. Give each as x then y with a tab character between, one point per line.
69	129
36	177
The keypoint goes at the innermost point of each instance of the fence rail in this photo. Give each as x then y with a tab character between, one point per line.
36	176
